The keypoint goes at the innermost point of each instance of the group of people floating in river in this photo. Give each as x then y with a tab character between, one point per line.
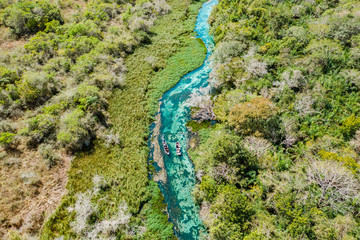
167	150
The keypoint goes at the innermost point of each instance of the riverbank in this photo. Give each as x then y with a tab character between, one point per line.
153	68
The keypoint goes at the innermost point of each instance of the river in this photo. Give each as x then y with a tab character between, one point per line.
177	173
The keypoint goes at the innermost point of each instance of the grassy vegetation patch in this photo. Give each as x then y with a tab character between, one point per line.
195	126
152	69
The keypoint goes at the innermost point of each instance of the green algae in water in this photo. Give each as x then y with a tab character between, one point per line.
174	113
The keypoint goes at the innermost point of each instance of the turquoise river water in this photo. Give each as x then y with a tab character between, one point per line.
180	176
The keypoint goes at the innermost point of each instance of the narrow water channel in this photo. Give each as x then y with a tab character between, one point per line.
179	178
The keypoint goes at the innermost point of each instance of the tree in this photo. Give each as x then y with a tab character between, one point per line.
225	51
304	104
207	190
256	67
250	117
344	28
225	101
327	53
293	78
339	189
290	128
261	148
224	173
231	212
229	149
201	104
349	126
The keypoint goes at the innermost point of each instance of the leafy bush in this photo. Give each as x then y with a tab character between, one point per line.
7	140
57	65
74	133
43	46
7	76
85	65
5	3
75	47
40	127
355	57
36	87
85	29
99	11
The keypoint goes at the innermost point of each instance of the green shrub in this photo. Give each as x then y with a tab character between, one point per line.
7	140
86	29
227	50
9	94
209	189
99	11
355	57
74	134
225	149
7	76
55	109
5	3
88	96
299	33
77	46
52	26
85	65
40	127
58	65
196	126
36	87
43	46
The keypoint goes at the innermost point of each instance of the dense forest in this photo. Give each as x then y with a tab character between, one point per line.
281	160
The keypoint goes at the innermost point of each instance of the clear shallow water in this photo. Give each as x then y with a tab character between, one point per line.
174	114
